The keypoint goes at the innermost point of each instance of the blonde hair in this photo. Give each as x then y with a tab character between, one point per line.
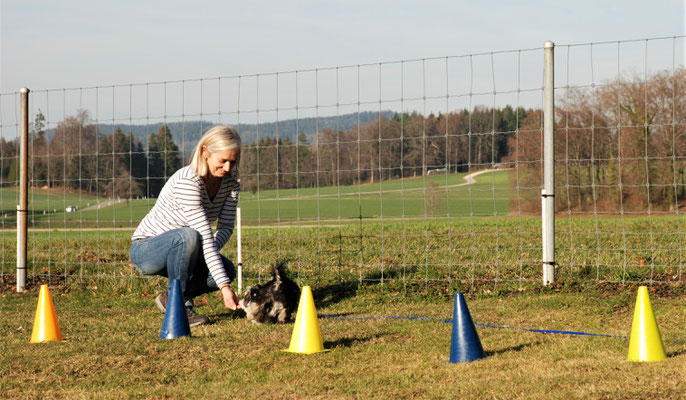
217	138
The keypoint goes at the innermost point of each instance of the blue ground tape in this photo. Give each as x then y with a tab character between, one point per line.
553	331
482	325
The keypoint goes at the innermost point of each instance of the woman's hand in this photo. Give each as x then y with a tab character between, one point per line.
230	298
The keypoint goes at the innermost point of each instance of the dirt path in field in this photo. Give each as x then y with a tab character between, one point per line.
468	178
107	203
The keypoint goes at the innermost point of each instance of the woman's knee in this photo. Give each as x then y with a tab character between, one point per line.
189	236
146	262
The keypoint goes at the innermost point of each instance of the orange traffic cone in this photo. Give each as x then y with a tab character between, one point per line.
307	338
45	326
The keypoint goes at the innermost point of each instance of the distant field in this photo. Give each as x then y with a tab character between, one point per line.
49	200
433	196
411	197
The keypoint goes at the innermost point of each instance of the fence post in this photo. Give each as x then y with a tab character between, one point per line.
548	193
239	245
22	207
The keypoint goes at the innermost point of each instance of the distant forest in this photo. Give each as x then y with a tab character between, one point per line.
187	133
619	145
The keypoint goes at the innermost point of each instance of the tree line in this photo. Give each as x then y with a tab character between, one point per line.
405	145
618	146
81	158
621	145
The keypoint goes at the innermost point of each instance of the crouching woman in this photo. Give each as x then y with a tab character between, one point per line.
175	238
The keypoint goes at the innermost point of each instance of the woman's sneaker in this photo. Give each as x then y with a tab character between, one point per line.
195	319
161	301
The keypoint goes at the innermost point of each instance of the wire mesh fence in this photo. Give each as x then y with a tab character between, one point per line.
425	173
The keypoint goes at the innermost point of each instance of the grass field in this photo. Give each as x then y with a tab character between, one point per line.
469	254
409	262
434	196
112	350
438	195
49	200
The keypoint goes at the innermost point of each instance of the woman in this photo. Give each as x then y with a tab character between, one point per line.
175	239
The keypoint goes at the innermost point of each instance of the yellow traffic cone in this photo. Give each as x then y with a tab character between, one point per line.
45	326
307	338
645	343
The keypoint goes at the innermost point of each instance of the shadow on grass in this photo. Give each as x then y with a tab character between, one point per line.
519	347
332	294
328	295
348	341
676	353
341	314
227	315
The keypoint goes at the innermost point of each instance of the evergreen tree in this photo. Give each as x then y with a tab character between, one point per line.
163	159
38	152
139	163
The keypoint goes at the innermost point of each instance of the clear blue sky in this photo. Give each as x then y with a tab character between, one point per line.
79	43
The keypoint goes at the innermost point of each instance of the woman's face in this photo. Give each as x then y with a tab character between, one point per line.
222	162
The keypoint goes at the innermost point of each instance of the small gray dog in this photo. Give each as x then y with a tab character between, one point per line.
274	301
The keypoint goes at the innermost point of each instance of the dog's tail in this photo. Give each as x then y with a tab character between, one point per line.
283	282
279	270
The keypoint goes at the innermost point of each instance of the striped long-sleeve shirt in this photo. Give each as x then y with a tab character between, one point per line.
184	202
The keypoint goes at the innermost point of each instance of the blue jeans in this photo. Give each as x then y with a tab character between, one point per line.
177	254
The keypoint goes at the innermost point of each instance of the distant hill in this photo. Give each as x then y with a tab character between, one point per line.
187	133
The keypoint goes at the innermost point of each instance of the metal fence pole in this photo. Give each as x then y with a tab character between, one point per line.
22	207
548	194
239	246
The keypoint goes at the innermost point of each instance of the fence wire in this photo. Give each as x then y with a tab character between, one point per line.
424	173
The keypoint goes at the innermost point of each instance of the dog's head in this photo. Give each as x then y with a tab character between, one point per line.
274	301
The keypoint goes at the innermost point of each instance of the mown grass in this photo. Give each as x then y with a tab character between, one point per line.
112	350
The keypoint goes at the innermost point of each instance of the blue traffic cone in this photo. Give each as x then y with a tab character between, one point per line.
175	322
465	345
